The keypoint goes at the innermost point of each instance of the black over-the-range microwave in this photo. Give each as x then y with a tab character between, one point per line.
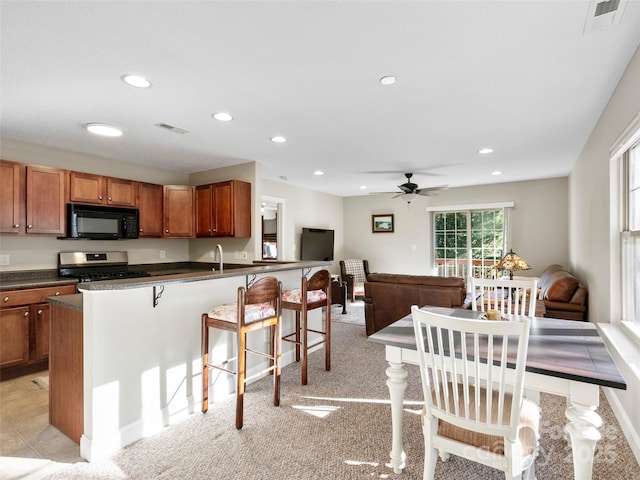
101	223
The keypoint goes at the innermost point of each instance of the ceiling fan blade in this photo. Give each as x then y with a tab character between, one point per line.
431	191
405	188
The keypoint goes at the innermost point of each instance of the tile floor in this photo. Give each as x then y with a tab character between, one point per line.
29	446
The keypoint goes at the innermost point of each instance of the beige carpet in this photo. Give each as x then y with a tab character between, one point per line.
337	427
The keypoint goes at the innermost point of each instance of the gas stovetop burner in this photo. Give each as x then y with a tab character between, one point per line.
96	266
101	275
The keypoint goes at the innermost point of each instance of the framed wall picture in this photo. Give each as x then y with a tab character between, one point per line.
382	223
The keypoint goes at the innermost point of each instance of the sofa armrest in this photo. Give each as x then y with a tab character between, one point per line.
579	297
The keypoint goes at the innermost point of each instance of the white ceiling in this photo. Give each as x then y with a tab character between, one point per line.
521	77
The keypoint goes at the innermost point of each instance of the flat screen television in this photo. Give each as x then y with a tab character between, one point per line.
316	244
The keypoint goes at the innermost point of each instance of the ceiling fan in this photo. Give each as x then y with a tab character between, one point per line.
409	190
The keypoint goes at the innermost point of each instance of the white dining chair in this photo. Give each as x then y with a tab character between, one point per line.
492	424
508	296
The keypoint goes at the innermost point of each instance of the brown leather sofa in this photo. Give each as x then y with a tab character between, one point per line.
562	294
388	296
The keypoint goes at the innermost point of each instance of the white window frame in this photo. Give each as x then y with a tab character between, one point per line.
620	231
504	206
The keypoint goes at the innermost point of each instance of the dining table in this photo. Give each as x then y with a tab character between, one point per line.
565	357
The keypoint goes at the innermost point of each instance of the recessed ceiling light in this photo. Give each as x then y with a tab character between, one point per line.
388	80
136	81
496	172
222	116
104	129
486	150
278	139
318	172
363	187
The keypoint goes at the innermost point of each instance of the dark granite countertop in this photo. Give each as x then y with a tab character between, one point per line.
161	273
189	273
74	301
19	280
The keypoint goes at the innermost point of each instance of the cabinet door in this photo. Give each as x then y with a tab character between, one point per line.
45	200
86	188
14	336
179	218
150	207
42	315
242	208
204	211
121	192
11	197
223	209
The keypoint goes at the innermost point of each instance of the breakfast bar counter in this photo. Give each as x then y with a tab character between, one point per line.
140	353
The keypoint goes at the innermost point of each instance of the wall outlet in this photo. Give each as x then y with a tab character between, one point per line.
5	260
244	255
163	254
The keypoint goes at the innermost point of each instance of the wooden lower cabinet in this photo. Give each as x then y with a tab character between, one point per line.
24	329
14	336
66	386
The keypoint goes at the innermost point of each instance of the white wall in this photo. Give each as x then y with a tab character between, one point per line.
307	208
589	194
539	225
592	240
34	252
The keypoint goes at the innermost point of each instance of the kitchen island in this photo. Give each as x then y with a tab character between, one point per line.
141	359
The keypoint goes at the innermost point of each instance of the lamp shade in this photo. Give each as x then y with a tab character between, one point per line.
510	262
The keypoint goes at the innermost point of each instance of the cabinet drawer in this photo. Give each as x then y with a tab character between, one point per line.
11	298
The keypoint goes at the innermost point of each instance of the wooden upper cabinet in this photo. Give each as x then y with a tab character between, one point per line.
178	211
224	209
45	207
86	188
204	224
101	190
150	207
121	192
12	197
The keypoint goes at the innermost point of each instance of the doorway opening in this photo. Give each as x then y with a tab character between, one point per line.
272	211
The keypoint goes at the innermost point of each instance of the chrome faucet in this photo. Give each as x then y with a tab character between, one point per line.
219	249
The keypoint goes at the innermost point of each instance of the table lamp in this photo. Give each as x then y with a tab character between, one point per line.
510	262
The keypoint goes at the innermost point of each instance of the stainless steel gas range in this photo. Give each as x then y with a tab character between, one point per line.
96	266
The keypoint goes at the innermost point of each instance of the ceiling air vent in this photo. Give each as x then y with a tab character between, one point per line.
603	15
603	8
171	128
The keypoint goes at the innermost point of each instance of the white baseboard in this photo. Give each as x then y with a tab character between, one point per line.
631	434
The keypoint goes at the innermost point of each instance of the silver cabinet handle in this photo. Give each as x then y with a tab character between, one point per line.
29	226
39	312
26	314
6	299
17	225
110	199
57	293
166	231
100	197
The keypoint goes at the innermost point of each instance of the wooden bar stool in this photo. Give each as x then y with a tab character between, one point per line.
315	293
257	307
